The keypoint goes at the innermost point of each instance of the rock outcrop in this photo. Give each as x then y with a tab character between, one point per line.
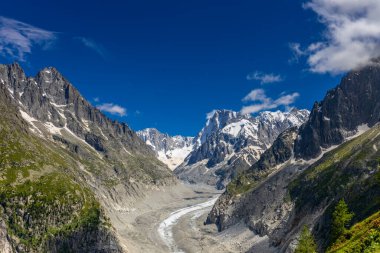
354	102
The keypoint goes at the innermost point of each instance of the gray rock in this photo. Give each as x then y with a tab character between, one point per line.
355	101
231	143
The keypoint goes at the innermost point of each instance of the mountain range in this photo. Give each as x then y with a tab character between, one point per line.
228	144
71	178
299	181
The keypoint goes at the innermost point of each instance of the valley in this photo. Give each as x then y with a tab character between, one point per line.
172	220
190	126
243	184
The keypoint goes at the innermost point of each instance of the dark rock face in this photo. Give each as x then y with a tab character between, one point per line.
49	97
229	209
87	240
353	103
280	152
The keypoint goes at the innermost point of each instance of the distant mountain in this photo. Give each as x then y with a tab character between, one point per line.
230	143
300	179
171	150
64	166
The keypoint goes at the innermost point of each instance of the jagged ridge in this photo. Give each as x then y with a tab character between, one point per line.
230	143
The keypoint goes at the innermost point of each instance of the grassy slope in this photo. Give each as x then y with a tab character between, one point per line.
363	237
351	172
39	197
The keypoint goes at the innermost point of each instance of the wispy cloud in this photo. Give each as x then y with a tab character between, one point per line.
264	78
112	109
98	48
351	38
297	52
263	102
17	38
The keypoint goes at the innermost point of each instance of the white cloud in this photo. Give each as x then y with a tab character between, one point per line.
113	109
264	78
266	103
256	95
92	45
17	38
352	36
96	99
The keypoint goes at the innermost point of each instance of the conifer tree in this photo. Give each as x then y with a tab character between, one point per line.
340	220
306	242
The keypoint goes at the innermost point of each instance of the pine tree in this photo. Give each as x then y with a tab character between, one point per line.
306	242
340	220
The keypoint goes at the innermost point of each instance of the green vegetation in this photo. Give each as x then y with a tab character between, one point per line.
51	205
306	242
341	218
350	170
40	198
363	237
241	184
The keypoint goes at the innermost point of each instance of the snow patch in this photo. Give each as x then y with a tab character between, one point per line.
31	121
52	129
173	158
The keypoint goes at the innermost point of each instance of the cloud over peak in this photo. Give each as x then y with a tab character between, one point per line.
263	102
112	109
264	78
17	38
351	38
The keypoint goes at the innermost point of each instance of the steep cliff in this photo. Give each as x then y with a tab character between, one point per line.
64	165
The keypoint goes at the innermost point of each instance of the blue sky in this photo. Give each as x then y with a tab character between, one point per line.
165	64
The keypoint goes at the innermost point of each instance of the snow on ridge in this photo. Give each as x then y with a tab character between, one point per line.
171	150
31	121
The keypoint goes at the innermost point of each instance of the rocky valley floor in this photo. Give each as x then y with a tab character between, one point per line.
171	220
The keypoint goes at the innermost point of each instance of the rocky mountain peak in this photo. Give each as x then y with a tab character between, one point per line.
352	103
217	119
171	150
231	142
52	100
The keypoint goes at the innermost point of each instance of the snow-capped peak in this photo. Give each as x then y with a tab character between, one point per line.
171	150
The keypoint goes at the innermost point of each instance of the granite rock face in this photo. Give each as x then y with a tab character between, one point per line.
231	143
354	102
50	98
